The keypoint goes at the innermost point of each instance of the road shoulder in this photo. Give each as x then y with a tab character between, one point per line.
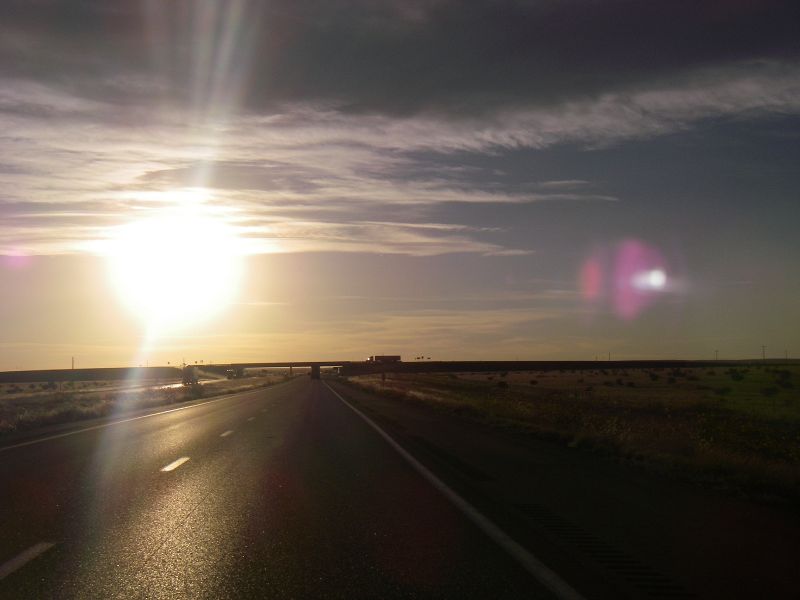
608	528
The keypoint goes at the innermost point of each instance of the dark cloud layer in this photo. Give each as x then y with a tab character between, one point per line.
387	56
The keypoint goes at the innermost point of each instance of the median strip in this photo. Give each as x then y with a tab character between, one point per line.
8	567
128	420
175	464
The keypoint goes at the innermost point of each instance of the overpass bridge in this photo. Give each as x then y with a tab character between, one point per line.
348	367
239	368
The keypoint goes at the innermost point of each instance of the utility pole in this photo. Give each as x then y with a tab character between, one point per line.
609	357
763	352
73	363
716	354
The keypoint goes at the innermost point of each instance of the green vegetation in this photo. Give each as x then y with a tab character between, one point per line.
24	408
735	427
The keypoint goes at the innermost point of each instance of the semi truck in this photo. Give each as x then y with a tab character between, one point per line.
384	358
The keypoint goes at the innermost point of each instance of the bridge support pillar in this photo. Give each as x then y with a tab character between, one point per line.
315	372
290	371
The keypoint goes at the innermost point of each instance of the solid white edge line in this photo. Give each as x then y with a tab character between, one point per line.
529	562
226	434
155	414
8	567
175	464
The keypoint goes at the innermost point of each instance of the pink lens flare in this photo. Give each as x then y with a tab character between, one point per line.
639	275
630	277
16	260
592	279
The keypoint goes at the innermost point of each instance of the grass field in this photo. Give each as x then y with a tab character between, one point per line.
25	406
738	427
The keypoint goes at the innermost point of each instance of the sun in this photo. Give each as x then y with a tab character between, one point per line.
176	269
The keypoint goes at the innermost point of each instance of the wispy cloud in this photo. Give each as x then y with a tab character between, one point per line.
308	178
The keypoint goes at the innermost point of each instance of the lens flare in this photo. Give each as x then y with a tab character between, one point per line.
654	279
592	279
16	260
628	277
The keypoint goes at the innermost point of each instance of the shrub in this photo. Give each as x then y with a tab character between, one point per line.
735	374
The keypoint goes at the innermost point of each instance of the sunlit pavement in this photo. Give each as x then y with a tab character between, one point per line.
290	492
279	493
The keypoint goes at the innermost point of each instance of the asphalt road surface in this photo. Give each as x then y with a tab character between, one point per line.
312	489
282	492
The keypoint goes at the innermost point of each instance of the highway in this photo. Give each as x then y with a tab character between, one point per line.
280	492
312	489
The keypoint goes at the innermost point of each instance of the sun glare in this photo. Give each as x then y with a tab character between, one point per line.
175	270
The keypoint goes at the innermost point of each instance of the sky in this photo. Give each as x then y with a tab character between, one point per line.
540	179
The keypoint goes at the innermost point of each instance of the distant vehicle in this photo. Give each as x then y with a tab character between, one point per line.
189	375
234	373
384	358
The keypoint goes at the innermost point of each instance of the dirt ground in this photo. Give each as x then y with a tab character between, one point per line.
25	406
734	426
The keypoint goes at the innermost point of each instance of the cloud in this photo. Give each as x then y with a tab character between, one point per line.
319	128
386	57
375	237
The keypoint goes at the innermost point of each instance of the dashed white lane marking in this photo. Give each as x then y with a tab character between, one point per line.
251	419
8	567
263	410
529	562
175	464
227	433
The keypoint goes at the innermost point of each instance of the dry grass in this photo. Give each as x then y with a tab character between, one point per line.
737	427
29	406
